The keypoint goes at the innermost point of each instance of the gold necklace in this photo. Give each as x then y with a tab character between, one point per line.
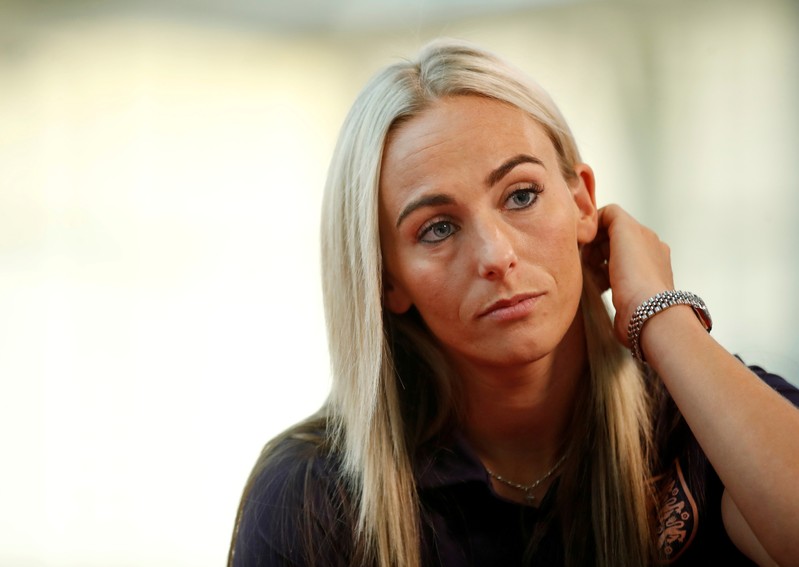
527	488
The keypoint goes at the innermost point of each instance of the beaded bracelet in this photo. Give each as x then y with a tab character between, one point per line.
655	305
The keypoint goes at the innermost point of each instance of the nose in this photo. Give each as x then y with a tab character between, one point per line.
496	255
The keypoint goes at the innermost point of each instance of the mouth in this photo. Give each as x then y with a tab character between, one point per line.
511	308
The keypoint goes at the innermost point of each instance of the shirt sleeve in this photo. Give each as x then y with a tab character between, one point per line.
782	386
293	517
691	530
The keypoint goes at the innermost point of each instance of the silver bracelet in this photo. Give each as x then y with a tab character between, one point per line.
655	305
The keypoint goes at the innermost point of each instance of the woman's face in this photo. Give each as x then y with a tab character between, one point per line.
480	231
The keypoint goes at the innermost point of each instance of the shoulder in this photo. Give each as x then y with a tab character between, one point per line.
295	505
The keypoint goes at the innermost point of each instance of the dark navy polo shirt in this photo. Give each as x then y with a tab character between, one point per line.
464	522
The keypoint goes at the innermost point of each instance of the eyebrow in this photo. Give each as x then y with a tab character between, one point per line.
492	179
496	176
426	201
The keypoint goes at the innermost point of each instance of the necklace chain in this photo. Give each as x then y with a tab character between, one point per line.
527	488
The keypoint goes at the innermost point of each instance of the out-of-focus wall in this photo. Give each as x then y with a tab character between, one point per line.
160	187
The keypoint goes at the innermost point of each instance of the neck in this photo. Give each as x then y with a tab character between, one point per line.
517	419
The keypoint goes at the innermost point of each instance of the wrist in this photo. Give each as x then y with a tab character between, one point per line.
657	304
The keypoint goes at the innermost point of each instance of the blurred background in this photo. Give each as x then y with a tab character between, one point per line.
161	171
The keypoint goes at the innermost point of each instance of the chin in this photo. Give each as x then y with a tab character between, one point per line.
506	353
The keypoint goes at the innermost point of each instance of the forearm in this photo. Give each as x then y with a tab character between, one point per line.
748	431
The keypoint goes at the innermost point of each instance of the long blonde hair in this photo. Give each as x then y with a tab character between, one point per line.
379	411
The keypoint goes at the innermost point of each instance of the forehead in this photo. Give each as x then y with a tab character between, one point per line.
460	136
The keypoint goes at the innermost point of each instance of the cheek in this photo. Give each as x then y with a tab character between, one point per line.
435	286
555	250
553	236
429	283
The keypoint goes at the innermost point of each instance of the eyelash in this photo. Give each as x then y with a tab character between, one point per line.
429	227
534	188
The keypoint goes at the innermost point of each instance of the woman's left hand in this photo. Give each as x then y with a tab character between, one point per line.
631	260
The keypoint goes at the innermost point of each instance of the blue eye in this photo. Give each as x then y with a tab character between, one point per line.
438	231
523	198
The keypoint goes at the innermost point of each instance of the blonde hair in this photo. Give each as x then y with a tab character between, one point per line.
603	498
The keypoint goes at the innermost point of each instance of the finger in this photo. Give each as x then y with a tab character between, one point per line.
610	214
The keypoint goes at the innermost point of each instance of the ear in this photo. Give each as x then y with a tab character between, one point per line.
583	194
395	298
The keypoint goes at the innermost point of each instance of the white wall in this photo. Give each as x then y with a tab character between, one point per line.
160	183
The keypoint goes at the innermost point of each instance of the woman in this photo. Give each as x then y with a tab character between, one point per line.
484	410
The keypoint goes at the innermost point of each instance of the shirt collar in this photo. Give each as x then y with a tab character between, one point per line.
449	460
446	461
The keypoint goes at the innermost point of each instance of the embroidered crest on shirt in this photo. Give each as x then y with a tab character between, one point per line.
677	515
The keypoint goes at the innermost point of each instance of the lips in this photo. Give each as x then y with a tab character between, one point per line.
516	306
